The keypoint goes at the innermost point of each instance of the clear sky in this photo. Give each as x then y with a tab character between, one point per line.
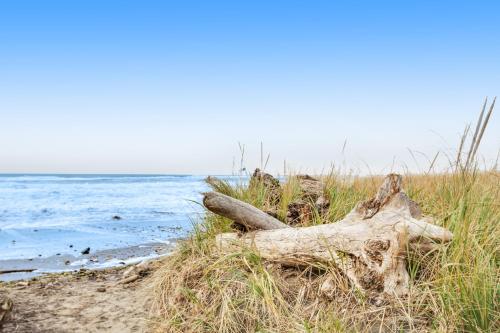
173	86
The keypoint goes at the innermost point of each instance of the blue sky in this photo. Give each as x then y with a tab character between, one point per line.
173	86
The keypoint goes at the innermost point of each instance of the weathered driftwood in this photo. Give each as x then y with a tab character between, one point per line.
273	193
240	212
311	187
368	245
5	308
271	183
390	189
312	199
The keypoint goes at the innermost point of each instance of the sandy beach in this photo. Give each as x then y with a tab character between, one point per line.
249	166
113	296
67	243
109	300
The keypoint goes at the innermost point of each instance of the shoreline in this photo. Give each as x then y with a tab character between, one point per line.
99	260
116	300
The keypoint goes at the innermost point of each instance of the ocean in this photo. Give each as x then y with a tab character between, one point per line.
47	215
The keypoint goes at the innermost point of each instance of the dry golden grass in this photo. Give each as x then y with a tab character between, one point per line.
453	289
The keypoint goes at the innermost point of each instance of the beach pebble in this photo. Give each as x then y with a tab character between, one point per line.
86	251
101	289
117	217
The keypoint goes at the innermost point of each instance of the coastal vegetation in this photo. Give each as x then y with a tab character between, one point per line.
454	287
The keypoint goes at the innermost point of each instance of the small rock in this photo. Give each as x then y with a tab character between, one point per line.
86	251
67	262
117	217
101	289
71	245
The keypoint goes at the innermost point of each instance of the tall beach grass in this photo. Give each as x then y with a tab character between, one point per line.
453	289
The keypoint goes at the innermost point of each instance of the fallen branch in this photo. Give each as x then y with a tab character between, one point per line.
240	212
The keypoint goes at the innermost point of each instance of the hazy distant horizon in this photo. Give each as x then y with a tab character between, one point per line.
171	88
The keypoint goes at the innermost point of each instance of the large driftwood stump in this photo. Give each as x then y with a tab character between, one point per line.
368	245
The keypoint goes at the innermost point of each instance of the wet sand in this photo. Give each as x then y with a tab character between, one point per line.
109	300
93	260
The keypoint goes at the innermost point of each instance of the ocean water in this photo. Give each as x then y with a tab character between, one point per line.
47	215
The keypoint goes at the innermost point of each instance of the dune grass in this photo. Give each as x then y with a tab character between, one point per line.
456	288
453	289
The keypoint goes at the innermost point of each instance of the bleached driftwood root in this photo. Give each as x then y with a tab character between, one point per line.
368	245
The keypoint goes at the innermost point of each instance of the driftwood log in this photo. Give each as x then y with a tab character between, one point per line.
368	245
241	212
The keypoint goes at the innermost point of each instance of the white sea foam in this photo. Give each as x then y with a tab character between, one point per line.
42	215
